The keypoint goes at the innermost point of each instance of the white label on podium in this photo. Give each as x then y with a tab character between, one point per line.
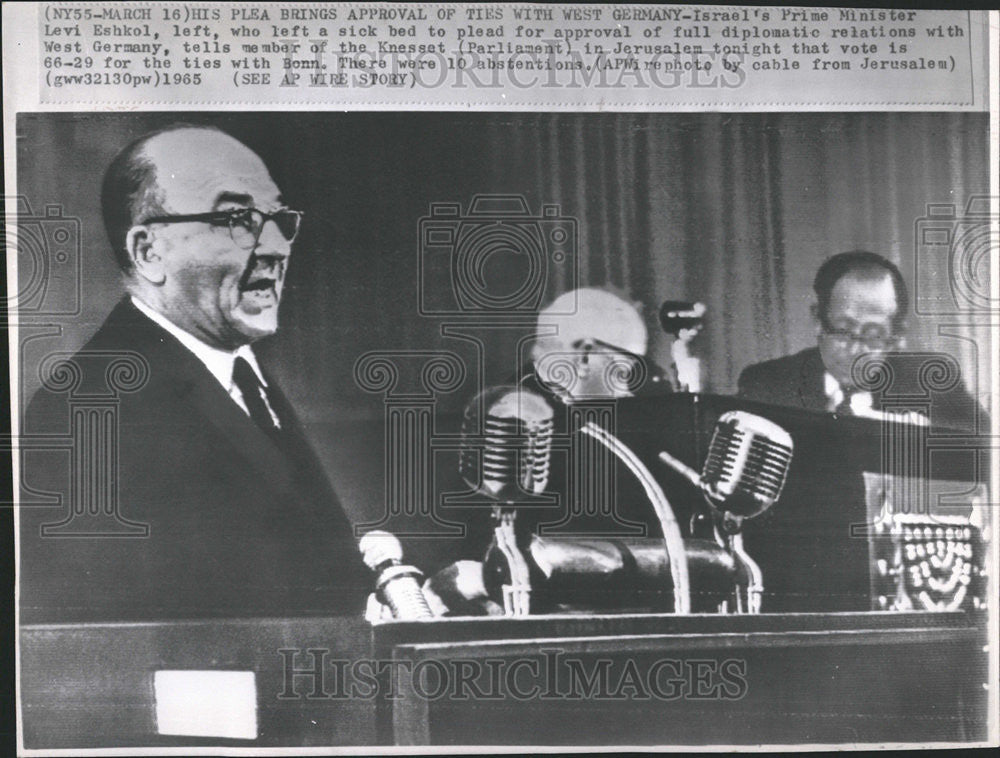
206	703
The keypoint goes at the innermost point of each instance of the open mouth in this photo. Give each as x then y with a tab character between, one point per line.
257	284
262	291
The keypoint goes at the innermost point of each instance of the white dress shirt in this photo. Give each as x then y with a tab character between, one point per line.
862	405
218	362
861	402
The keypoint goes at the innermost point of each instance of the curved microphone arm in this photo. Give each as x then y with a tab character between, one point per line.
674	542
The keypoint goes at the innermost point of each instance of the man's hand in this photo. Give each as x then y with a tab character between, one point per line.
458	590
455	590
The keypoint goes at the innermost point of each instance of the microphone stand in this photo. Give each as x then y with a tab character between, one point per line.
728	530
732	528
517	594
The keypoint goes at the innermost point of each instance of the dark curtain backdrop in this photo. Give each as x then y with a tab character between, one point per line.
737	210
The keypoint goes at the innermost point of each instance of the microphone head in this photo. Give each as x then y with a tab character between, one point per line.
378	547
506	443
679	314
748	460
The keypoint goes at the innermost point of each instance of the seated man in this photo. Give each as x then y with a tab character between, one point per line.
860	309
589	352
203	496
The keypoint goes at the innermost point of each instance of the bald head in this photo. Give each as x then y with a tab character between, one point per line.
591	313
159	169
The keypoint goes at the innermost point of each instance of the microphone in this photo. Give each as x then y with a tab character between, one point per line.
506	443
748	461
746	467
743	475
396	585
679	314
684	320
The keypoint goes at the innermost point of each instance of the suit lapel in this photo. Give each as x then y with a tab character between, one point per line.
211	401
190	382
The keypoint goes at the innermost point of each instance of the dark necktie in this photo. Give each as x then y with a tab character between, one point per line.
844	407
246	379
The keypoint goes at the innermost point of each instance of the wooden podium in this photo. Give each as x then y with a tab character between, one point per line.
545	680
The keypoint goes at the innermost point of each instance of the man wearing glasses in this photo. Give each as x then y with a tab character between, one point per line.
229	511
861	304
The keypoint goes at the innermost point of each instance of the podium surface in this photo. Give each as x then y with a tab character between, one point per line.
547	680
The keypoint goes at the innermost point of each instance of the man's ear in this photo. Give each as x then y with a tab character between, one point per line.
817	321
146	261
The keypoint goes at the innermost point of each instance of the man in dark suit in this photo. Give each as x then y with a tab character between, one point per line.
861	306
203	496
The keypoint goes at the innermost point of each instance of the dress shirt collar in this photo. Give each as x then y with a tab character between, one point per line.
218	362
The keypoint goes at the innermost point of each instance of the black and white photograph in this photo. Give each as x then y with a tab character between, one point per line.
364	429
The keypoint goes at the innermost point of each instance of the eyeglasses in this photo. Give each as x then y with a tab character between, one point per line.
586	346
873	339
245	224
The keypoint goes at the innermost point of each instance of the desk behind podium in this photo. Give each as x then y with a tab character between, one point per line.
815	546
